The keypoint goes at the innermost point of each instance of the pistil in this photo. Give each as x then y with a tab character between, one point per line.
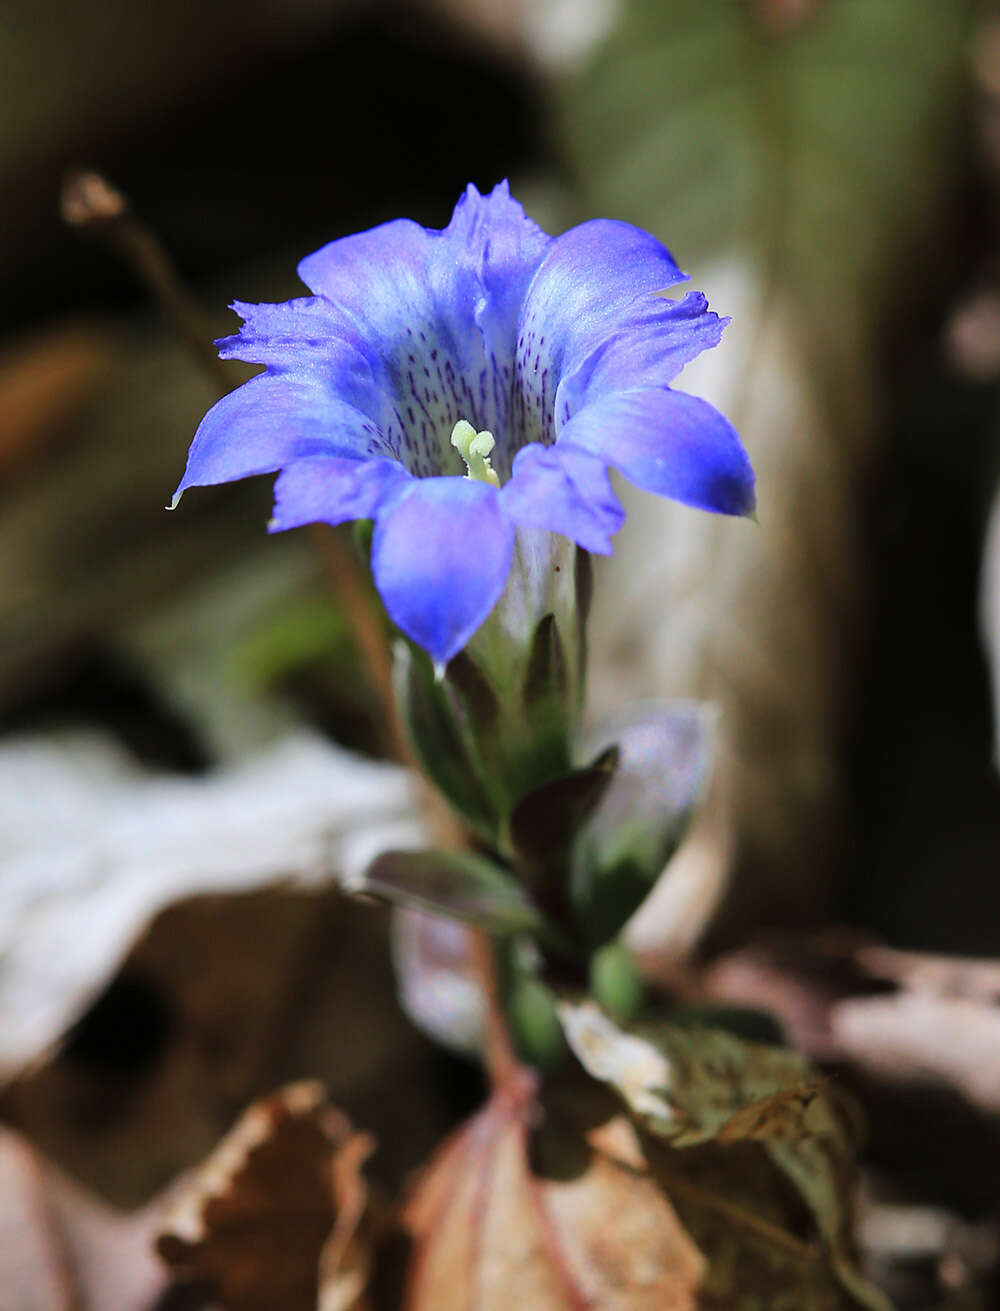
474	448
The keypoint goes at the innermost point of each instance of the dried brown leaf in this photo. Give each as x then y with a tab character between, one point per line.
255	1220
942	1026
45	383
61	1247
948	976
345	1264
916	1036
573	1225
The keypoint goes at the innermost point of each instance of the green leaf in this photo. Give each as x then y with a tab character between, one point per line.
547	701
823	151
544	824
457	884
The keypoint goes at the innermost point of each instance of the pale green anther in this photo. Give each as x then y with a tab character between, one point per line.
474	448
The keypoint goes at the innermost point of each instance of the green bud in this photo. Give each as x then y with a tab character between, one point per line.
534	1022
615	982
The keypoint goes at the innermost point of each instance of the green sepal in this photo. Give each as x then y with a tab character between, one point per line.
546	700
439	740
362	530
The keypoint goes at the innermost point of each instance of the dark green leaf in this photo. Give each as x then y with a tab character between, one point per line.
545	822
458	884
534	1021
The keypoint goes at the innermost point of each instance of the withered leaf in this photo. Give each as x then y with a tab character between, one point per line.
517	1213
692	1086
61	1247
279	1195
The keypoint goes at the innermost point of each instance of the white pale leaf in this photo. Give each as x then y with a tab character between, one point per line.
92	846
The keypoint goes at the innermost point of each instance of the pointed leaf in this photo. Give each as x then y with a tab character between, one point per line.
458	884
544	824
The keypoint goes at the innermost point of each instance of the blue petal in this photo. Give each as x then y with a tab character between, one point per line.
440	555
565	490
271	421
580	296
298	334
493	237
436	313
654	341
334	490
669	443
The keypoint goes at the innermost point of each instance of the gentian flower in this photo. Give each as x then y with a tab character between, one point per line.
456	386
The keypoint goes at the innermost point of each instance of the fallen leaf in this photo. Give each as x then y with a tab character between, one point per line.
513	1212
46	381
280	1195
90	837
693	1086
917	1036
62	1248
947	976
941	1027
345	1263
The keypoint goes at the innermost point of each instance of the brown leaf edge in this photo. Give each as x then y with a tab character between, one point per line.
277	1214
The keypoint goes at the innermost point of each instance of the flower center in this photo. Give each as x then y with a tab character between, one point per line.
474	448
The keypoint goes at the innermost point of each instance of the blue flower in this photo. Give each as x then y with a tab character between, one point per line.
454	385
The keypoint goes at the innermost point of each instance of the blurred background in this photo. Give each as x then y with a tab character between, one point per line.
178	692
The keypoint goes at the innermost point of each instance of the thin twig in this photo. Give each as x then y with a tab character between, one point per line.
341	563
499	1056
91	204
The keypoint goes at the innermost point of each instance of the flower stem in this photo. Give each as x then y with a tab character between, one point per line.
499	1057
